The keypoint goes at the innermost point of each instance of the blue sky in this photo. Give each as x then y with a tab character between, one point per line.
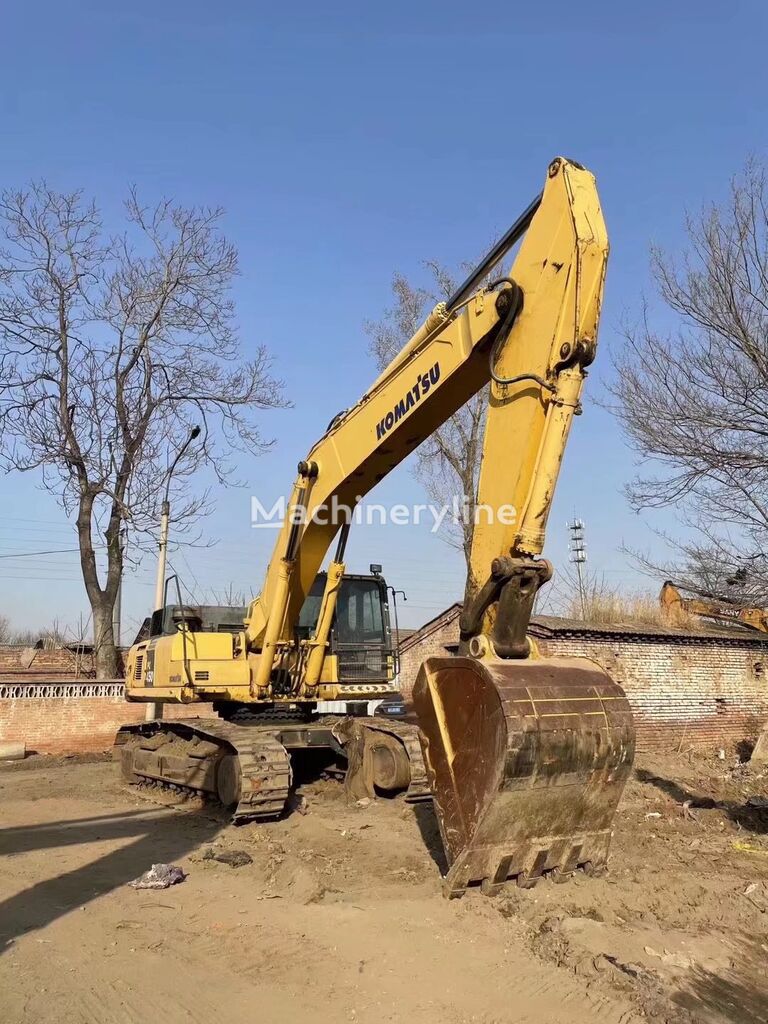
347	141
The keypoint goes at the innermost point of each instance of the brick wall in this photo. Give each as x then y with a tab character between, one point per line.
686	689
694	694
29	663
433	640
79	718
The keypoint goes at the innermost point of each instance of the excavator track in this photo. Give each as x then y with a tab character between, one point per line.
246	766
265	771
382	755
418	788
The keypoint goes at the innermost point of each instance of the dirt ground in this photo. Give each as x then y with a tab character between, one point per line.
339	916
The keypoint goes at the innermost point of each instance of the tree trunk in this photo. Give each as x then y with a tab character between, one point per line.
106	657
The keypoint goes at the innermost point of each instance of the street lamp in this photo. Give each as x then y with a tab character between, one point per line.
155	709
165	515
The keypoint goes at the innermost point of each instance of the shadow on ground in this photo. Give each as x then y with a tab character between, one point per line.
159	836
426	820
739	995
754	819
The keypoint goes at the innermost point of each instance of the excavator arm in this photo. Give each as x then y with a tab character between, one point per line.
530	335
710	606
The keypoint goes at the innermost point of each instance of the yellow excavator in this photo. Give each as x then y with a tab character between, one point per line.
708	606
525	757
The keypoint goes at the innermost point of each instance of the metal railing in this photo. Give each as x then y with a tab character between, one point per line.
364	663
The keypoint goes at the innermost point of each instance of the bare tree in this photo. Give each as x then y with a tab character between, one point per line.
693	398
229	596
51	636
708	566
112	347
449	460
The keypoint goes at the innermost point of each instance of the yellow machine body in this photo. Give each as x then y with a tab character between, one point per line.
676	608
195	666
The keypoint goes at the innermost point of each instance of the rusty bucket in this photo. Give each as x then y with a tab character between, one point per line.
527	761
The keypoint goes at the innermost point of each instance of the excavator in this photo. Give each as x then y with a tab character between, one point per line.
524	757
708	606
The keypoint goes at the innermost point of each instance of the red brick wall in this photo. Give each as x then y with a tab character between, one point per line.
693	694
431	646
79	723
684	693
28	663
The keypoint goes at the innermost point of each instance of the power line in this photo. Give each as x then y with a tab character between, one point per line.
26	519
57	551
63	579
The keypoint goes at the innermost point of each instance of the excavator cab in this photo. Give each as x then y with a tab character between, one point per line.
360	637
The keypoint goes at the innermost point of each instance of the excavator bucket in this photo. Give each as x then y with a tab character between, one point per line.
527	761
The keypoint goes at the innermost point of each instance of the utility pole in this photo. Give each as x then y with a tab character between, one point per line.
155	709
162	553
578	556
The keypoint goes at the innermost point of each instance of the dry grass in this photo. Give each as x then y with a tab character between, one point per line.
604	604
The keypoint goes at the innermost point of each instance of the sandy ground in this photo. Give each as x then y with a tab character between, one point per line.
339	916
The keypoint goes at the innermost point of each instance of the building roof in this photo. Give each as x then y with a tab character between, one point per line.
402	634
554	625
451	612
546	626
